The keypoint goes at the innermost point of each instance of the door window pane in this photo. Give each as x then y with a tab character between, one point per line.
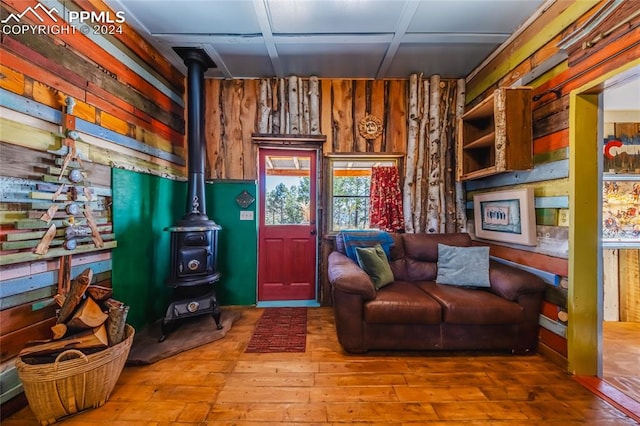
287	183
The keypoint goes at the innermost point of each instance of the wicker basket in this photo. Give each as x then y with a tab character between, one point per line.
65	387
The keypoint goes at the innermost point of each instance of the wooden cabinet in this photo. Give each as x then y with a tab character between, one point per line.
495	136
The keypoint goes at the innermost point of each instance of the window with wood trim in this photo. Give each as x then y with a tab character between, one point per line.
349	183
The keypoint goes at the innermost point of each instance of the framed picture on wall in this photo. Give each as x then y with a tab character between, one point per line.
507	216
621	209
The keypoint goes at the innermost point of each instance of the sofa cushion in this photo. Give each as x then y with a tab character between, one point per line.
463	266
418	270
347	241
421	253
374	262
472	306
402	303
424	247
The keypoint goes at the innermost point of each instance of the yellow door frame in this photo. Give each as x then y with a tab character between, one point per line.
584	335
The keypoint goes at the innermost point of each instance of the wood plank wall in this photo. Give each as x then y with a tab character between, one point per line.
534	58
231	114
129	112
142	118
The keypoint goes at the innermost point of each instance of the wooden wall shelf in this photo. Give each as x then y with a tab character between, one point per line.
495	136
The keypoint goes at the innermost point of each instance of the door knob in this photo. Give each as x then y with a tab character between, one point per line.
313	232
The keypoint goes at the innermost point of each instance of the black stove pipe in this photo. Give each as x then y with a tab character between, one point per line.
197	62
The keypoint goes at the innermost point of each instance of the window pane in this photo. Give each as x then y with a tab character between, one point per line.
350	213
350	186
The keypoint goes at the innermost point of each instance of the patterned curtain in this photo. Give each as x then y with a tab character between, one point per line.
386	199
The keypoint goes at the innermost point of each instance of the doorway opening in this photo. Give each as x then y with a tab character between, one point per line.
621	237
585	337
287	231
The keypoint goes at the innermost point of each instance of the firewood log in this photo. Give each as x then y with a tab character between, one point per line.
73	298
99	293
88	315
116	321
59	330
90	339
59	299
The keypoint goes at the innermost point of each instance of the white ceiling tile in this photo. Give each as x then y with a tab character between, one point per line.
246	59
471	16
446	59
329	60
334	16
194	16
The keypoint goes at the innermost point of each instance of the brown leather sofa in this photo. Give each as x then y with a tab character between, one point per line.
415	313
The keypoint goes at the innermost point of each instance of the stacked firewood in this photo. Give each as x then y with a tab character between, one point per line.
89	320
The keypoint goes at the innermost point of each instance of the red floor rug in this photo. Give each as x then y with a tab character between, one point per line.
280	330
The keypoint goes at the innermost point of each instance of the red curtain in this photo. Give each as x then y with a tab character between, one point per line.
385	207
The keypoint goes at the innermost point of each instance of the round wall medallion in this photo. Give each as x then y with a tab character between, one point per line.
370	127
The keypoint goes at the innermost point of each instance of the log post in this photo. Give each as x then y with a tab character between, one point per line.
264	108
294	114
269	106
409	189
448	215
314	106
275	106
282	107
461	207
422	147
434	173
303	97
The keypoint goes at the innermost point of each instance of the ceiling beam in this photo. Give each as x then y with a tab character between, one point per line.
265	26
405	19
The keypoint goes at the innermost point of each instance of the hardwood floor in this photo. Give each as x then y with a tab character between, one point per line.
219	384
621	356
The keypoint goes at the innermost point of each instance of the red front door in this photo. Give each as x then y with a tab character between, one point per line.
287	232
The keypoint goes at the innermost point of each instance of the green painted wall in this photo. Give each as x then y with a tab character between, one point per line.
143	205
238	242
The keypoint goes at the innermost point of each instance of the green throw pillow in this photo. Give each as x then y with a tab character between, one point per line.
374	262
463	266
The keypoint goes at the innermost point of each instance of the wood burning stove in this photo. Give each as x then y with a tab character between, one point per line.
194	239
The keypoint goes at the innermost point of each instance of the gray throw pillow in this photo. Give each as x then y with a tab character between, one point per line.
463	266
373	261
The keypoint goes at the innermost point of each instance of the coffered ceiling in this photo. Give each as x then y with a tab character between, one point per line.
330	38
